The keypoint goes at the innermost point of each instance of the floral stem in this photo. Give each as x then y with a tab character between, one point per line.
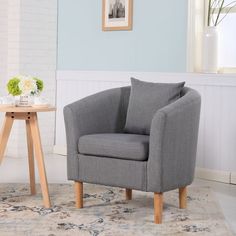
226	13
209	13
220	9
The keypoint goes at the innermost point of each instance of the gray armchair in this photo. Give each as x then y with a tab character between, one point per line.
99	152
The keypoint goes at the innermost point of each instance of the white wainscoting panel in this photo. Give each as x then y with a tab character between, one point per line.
217	133
28	47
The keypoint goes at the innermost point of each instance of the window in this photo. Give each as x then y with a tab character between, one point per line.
227	37
198	12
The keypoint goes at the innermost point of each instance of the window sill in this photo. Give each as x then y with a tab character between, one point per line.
209	79
227	70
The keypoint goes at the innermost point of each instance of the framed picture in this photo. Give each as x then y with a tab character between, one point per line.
117	14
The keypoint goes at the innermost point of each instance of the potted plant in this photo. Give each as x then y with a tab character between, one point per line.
26	87
217	11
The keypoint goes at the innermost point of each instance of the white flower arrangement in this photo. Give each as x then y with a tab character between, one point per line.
24	85
27	85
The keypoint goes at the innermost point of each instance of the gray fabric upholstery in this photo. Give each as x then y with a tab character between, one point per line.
116	145
172	147
113	172
145	99
173	143
104	112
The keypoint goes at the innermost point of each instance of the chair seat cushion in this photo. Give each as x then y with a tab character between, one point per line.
115	145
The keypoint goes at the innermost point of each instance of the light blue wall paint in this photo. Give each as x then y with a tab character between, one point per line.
156	43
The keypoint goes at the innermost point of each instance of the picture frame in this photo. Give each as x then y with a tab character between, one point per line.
117	15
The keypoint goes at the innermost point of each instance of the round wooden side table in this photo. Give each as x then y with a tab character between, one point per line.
29	114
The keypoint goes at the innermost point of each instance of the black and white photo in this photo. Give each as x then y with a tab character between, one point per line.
117	14
117	9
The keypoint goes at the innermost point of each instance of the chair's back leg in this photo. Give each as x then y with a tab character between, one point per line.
128	194
183	197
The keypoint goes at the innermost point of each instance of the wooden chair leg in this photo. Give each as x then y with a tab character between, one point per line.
183	197
79	194
128	194
158	207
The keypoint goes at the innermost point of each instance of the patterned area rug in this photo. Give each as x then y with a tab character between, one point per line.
106	213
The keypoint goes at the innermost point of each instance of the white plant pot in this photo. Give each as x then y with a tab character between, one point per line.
210	50
25	101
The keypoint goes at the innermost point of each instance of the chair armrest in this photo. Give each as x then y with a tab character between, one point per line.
173	144
98	113
103	112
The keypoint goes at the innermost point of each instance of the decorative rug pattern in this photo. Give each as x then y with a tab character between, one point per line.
106	213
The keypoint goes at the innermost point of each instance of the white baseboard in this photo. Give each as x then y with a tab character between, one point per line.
60	150
15	170
213	175
202	173
233	178
57	164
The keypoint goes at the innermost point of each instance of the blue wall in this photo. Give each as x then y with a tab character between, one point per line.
156	43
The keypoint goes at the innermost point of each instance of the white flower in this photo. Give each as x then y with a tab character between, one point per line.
27	85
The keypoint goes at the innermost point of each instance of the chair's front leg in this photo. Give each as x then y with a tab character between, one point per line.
79	194
158	207
183	197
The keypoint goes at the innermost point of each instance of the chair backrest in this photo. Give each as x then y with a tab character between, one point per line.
124	102
185	90
123	107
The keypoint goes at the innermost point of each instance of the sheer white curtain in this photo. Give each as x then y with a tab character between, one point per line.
196	23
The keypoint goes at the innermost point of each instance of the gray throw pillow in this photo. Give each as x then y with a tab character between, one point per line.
145	99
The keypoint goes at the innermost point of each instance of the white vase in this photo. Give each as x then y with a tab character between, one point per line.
210	50
25	101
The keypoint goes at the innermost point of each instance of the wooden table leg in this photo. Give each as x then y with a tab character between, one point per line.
30	158
40	160
6	129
